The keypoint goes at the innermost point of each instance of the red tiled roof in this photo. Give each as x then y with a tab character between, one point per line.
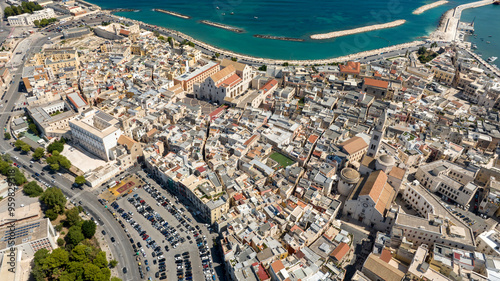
230	81
250	140
340	251
376	83
261	273
269	85
312	138
386	255
277	266
351	67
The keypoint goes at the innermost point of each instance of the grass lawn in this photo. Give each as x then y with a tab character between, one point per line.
281	159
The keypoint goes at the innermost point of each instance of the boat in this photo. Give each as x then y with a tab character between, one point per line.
232	13
223	14
496	2
255	17
217	7
492	59
489	35
488	42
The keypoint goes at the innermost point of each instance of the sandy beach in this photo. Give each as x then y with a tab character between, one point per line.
357	30
428	7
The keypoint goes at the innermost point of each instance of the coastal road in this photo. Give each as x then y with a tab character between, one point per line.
122	252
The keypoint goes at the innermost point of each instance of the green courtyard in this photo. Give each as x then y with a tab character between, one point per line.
281	159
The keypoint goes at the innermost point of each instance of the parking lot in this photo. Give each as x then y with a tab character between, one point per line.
168	234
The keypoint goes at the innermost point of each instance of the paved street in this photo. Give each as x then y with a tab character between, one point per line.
122	252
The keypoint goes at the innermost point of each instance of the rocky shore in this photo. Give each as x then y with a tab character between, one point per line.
223	26
428	7
172	13
278	38
357	30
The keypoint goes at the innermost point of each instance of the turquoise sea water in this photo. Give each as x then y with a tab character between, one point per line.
486	23
292	18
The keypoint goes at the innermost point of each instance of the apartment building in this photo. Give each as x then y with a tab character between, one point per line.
97	132
448	180
29	19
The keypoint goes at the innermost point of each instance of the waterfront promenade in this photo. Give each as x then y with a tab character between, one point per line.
357	30
429	6
444	33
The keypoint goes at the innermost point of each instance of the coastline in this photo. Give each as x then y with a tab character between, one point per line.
429	6
363	29
442	32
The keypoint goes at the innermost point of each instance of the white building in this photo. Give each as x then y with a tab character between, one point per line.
232	81
488	243
97	132
448	180
370	202
437	224
29	19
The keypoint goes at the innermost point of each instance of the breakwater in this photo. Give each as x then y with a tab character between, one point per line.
172	13
122	10
357	30
278	38
223	26
428	7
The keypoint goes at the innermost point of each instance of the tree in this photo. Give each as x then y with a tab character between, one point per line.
51	214
8	12
26	148
32	189
113	264
19	143
88	228
60	242
80	180
285	64
33	128
263	67
39	153
73	216
36	23
19	177
234	59
217	55
170	41
7	136
57	145
434	45
422	50
54	199
54	167
100	260
74	235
